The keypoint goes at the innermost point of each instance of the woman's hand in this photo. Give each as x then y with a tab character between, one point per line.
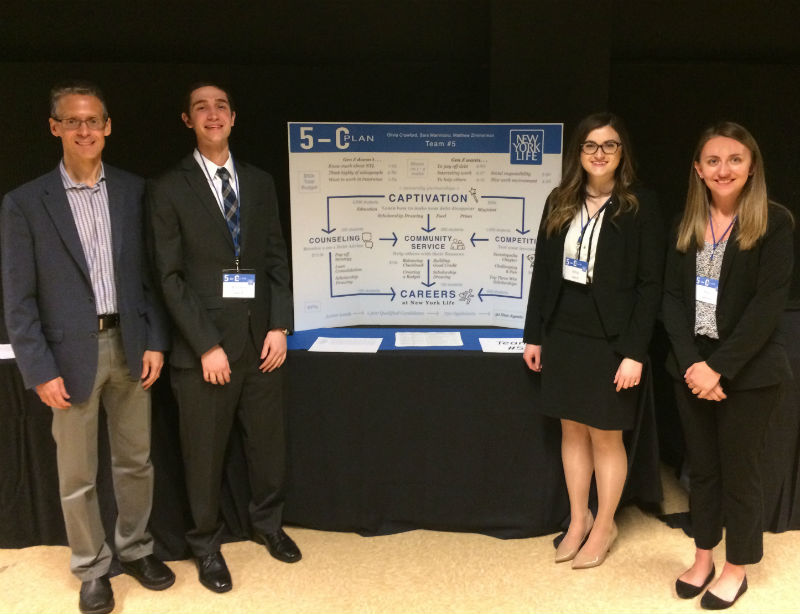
703	381
716	394
629	374
533	357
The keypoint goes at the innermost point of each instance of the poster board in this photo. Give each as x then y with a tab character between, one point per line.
417	224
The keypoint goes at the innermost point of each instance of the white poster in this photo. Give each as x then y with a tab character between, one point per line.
417	224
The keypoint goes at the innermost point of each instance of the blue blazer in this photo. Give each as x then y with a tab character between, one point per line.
48	298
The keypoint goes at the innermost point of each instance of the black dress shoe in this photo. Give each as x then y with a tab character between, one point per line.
280	546
213	572
690	591
96	596
150	572
711	602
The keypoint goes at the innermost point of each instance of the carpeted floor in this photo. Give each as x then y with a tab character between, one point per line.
424	571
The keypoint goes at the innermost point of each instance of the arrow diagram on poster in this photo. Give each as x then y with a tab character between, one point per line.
328	229
481	293
391	292
393	239
523	230
473	239
429	283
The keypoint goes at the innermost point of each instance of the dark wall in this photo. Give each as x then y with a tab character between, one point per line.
668	67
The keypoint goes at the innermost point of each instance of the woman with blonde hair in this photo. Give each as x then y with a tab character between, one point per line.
727	281
594	295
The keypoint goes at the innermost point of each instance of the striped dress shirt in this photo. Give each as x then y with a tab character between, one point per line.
90	210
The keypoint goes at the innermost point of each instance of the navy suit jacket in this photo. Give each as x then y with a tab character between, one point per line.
192	246
753	290
627	277
48	298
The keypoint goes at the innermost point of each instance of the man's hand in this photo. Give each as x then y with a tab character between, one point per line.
702	379
629	374
216	369
532	355
152	362
54	394
274	351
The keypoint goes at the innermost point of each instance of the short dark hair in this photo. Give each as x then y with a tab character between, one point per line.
77	87
187	99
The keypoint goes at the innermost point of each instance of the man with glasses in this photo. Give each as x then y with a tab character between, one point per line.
85	326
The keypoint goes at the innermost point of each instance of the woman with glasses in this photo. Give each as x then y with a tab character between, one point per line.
594	295
728	274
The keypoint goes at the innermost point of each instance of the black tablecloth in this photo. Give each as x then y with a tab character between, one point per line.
387	442
439	440
378	443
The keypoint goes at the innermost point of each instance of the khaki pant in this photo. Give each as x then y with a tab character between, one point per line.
127	408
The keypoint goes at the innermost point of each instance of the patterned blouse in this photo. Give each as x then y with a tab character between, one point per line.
705	319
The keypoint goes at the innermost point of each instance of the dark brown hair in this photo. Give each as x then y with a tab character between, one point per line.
567	198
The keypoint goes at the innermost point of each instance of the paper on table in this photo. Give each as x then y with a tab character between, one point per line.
5	351
427	339
365	345
502	345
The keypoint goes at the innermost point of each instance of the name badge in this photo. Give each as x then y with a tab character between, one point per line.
706	289
575	270
238	284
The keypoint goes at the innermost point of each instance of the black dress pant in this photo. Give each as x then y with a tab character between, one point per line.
207	413
724	441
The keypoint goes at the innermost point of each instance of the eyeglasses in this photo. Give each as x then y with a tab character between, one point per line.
609	147
73	123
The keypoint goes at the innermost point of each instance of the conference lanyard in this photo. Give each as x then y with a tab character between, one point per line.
714	242
594	217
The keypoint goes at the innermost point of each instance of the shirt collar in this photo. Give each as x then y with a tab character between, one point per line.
69	184
211	167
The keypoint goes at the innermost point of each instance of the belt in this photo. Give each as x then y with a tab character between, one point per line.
107	320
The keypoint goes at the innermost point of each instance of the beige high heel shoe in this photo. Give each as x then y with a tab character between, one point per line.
585	562
563	553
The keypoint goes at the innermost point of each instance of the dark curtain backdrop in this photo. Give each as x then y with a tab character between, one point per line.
668	67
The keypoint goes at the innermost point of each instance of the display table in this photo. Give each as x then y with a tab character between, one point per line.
436	439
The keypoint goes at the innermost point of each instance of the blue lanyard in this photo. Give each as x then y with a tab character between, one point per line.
714	242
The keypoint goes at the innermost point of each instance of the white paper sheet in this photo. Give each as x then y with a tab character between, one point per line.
5	351
402	340
502	345
366	345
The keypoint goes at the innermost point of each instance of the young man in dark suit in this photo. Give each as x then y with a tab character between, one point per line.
222	265
85	326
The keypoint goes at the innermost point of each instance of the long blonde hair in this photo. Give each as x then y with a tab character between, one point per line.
752	204
568	197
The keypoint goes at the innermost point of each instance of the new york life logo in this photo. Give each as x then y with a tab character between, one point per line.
526	146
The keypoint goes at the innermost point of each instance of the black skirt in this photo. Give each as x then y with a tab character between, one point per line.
578	367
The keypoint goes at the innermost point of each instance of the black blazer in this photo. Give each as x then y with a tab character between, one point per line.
753	289
626	285
192	245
